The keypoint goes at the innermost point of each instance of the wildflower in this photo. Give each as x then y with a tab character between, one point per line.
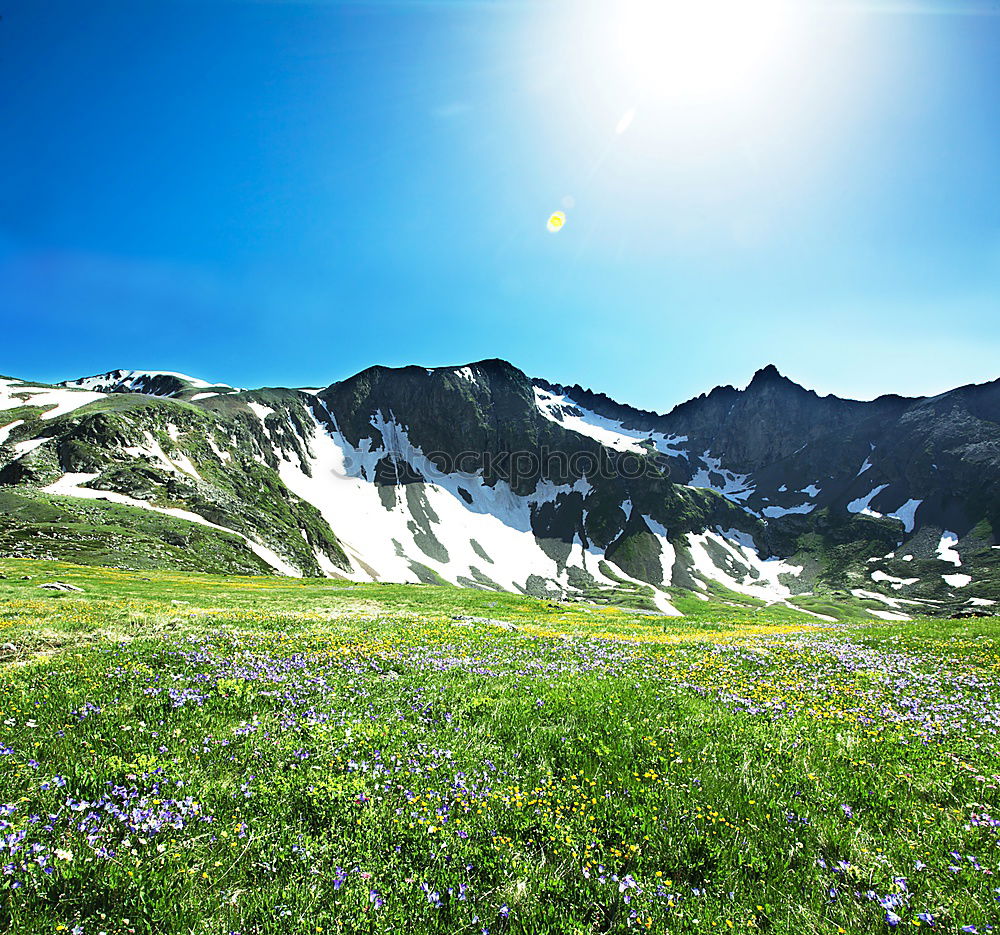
433	897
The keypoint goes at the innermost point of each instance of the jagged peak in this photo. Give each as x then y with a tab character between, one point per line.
770	374
599	402
492	363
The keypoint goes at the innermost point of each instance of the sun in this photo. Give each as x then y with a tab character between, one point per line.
691	48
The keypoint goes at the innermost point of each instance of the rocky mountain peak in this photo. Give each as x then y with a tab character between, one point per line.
769	377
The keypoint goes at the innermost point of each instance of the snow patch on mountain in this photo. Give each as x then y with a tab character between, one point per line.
946	548
5	430
861	505
152	450
894	583
733	486
741	567
14	393
261	411
906	514
775	511
888	614
570	415
223	455
957	581
431	521
742	539
667	551
22	448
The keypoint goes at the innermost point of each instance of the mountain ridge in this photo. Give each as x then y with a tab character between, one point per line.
767	493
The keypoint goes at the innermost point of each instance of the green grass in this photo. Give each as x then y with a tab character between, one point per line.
44	526
198	753
22	414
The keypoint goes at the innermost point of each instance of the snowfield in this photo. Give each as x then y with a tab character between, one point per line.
570	415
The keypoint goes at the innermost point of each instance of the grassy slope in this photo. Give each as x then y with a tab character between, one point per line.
281	755
93	532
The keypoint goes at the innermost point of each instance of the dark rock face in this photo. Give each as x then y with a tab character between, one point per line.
842	464
772	418
488	416
471	424
768	421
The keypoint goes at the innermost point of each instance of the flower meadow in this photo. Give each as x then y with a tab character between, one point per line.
196	754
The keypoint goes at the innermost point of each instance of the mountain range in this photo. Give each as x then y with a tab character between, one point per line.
483	477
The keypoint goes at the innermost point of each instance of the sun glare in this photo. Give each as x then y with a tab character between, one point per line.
699	47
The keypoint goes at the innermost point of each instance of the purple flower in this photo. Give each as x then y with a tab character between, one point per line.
433	897
891	919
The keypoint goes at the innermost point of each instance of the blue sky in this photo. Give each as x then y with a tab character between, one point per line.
282	193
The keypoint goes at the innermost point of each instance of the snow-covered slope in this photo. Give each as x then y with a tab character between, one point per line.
51	401
563	411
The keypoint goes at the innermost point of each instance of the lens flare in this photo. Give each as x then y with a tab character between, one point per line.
625	122
556	221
